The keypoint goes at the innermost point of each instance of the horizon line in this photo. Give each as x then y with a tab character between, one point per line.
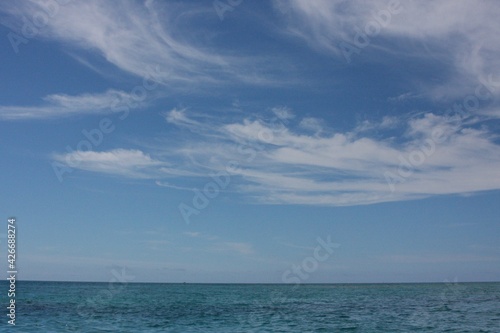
260	283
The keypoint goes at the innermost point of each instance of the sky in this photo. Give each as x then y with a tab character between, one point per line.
301	141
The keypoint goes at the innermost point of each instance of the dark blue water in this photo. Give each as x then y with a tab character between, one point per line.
121	307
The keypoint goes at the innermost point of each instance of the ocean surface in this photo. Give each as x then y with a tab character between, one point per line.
134	307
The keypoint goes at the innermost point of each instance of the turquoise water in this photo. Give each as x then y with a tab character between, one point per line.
121	307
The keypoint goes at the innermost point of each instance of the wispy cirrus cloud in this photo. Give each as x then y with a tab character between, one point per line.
239	247
217	245
280	163
62	105
436	258
137	35
458	35
200	235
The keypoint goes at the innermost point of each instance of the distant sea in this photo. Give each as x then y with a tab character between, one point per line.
43	307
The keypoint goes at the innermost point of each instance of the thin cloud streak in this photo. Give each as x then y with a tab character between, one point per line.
129	163
62	105
436	259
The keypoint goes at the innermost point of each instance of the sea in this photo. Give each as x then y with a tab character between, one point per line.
43	307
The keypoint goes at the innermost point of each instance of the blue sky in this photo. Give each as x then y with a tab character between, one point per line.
227	141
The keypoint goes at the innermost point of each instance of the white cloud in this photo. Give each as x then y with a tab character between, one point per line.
312	124
402	98
457	32
124	162
136	36
281	164
389	122
220	246
283	112
61	105
178	117
436	258
346	169
197	234
242	248
175	187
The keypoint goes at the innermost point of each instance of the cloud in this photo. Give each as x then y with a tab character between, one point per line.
178	118
280	163
458	34
282	112
312	124
123	162
62	105
220	246
136	36
436	259
387	122
242	248
175	187
402	97
197	234
344	169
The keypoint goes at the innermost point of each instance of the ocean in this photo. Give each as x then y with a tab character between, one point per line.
147	307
